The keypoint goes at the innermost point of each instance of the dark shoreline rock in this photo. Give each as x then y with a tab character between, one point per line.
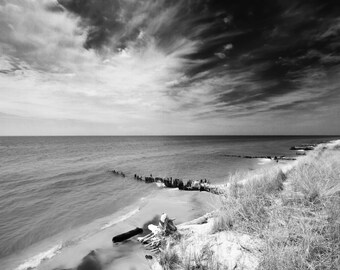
305	148
266	157
118	173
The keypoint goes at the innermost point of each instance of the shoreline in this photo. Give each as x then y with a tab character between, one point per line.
127	255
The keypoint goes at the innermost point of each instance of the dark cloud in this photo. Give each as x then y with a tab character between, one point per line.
273	42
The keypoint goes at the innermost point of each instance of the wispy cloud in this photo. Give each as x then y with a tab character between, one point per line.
170	66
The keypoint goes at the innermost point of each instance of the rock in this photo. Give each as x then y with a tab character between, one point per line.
90	262
148	257
97	260
149	179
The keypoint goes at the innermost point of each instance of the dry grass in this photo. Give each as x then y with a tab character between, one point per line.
298	222
318	179
299	226
205	260
169	259
304	230
245	206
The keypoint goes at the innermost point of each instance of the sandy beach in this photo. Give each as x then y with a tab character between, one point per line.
181	205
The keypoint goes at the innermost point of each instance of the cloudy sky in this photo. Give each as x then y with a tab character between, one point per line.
140	67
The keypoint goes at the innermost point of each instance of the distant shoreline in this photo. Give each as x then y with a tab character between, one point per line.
297	136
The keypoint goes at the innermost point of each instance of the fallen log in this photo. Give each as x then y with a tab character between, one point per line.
124	236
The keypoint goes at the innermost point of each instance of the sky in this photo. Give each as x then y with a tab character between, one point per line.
169	67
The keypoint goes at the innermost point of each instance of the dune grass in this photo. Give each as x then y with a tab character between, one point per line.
169	259
296	216
304	230
205	260
245	206
299	226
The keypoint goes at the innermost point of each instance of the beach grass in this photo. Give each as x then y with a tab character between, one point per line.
304	231
299	223
295	216
245	206
204	260
169	259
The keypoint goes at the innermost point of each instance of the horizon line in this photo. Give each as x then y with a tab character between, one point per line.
201	135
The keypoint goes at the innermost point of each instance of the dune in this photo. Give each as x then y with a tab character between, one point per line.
259	214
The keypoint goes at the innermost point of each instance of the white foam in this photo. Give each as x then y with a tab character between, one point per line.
263	161
34	261
122	218
160	185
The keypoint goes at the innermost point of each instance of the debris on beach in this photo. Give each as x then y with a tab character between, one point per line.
159	233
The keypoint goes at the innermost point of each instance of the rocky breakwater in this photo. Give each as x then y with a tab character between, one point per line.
169	182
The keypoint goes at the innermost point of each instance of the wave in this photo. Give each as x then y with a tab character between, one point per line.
34	261
120	219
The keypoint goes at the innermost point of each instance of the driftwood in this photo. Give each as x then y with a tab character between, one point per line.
197	221
153	241
200	220
124	236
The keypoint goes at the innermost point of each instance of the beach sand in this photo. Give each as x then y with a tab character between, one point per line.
181	205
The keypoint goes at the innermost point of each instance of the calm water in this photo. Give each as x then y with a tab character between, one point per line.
52	185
